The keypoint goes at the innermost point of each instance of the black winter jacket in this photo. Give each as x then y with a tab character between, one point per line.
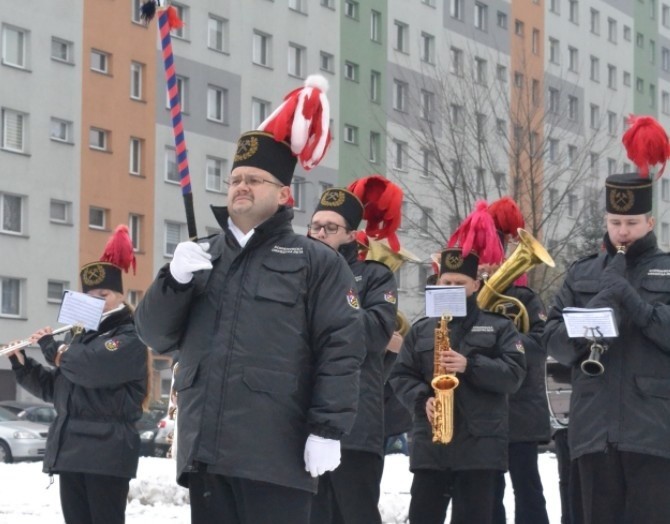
629	404
378	293
495	369
97	392
270	352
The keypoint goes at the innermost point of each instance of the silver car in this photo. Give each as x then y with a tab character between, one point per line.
20	439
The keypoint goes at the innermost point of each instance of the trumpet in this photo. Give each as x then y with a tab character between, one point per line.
592	365
27	342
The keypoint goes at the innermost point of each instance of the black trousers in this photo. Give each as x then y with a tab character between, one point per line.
217	499
93	499
620	487
568	484
473	493
530	506
350	494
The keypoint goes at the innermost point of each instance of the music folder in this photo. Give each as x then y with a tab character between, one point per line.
445	300
80	308
590	322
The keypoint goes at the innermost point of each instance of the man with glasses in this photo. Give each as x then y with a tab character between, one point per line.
350	494
269	327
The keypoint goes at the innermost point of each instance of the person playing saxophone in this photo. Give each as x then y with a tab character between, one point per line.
487	357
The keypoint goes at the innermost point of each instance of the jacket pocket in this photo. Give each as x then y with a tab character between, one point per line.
90	428
281	279
269	381
184	377
653	387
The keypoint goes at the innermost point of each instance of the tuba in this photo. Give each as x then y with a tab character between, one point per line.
528	254
443	385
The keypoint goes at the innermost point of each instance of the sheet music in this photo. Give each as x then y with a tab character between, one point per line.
582	322
80	308
449	300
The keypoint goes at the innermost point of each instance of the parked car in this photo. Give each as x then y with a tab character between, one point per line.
148	428
559	389
20	439
33	411
163	440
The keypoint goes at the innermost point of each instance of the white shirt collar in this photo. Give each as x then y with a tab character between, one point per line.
242	239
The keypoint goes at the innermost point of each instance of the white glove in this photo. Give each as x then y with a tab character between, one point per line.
321	455
188	258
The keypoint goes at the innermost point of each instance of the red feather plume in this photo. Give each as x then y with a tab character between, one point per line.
382	202
119	249
506	216
646	143
478	233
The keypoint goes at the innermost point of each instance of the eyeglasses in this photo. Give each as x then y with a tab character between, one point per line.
330	228
251	181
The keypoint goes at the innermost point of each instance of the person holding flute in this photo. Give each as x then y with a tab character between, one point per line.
98	384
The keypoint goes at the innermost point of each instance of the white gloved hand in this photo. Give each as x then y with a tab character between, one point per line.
188	258
321	455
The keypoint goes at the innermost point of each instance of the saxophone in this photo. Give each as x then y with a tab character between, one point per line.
443	384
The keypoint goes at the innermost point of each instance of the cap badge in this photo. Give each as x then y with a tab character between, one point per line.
333	198
246	148
622	200
453	261
93	275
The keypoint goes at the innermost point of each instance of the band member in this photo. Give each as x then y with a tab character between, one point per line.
619	433
98	385
350	493
268	326
487	358
528	408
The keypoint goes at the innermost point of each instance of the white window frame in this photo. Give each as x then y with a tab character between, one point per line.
554	51
64	45
401	40
135	156
183	13
181	236
217	104
351	9
298	5
375	147
182	90
573	108
260	110
399	155
171	158
427	104
456	8
21	59
16	139
376	26
8	228
297	191
326	62
136	81
481	67
102	213
375	86
261	49
481	16
400	95
351	71
456	61
56	128
427	48
5	281
100	61
56	298
212	165
296	60
350	134
135	230
101	134
217	33
67	212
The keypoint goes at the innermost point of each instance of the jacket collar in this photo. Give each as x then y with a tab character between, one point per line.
349	252
278	223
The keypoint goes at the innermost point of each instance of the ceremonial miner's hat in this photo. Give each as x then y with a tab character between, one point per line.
298	130
453	261
117	257
344	203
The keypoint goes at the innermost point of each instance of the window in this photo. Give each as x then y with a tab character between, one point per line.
60	212
611	166
665	189
182	12
375	146
137	13
350	134
553	198
639	85
481	16
134	297
501	126
594	161
639	40
665	16
10	289
98	139
572	204
351	9
573	59
502	20
400	90
100	61
627	33
500	180
400	155
573	16
136	75
216	167
174	233
665	102
611	30
626	78
480	71
572	155
351	71
11	211
611	76
652	51
13	131
518	27
297	190
171	172
376	26
97	218
55	290
427	48
535	42
296	60
298	5
135	230
375	86
401	41
501	73
326	61
480	126
14	46
427	104
260	110
428	164
456	9
535	92
182	92
595	116
261	49
611	123
665	233
217	34
595	69
518	79
456	112
217	104
554	97
456	66
61	50
595	21
573	107
135	156
652	95
554	6
665	59
554	51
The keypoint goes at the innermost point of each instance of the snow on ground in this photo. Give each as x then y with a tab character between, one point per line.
27	498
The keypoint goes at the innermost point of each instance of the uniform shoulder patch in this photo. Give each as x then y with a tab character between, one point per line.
352	299
112	344
390	297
